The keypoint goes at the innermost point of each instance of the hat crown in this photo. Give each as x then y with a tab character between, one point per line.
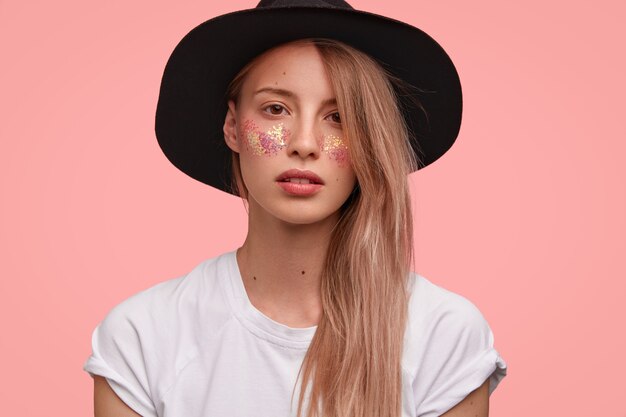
334	4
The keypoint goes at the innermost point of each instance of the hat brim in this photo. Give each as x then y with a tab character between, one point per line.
192	105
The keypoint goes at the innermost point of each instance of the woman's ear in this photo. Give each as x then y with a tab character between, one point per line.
230	128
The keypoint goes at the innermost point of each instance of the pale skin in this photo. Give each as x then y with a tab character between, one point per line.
281	257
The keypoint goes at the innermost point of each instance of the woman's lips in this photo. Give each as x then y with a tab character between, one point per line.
298	174
296	188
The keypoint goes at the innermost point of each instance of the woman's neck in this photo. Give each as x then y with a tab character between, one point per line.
281	263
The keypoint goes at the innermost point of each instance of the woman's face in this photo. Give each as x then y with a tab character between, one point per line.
287	130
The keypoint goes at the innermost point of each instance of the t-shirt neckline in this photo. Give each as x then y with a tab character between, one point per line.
254	320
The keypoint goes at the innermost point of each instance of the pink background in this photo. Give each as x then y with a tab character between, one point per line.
525	216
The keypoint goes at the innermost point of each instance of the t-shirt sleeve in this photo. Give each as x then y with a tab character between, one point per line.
458	358
117	355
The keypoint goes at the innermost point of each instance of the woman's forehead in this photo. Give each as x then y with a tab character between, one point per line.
289	69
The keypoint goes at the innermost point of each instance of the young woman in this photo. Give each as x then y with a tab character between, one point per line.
313	119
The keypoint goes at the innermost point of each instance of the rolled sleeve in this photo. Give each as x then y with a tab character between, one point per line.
460	357
117	356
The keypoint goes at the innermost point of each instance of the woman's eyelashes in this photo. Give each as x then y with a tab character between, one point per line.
272	108
338	117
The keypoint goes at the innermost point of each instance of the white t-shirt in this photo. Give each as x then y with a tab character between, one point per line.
195	346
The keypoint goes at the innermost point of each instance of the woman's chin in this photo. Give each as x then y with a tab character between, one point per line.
303	211
297	215
303	218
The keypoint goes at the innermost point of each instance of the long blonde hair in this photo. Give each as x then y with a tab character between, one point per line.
353	364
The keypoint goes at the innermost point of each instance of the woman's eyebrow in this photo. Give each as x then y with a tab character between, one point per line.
290	94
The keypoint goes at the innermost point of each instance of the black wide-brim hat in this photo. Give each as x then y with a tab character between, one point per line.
192	103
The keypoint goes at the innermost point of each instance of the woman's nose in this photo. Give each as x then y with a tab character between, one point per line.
304	141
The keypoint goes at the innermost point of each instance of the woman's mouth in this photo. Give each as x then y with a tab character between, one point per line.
300	176
298	180
304	188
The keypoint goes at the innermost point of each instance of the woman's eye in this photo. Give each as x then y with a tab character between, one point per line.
336	119
275	109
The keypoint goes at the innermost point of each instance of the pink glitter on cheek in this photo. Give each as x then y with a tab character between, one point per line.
336	149
264	143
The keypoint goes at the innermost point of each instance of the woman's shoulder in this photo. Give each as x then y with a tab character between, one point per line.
173	304
449	346
429	300
443	323
144	340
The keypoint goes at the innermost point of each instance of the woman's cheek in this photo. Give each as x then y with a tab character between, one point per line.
264	143
269	142
336	149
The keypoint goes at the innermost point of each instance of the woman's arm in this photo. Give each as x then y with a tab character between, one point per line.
107	403
476	404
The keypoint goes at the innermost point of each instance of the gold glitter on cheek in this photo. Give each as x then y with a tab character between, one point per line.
277	134
274	139
336	149
252	137
265	143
